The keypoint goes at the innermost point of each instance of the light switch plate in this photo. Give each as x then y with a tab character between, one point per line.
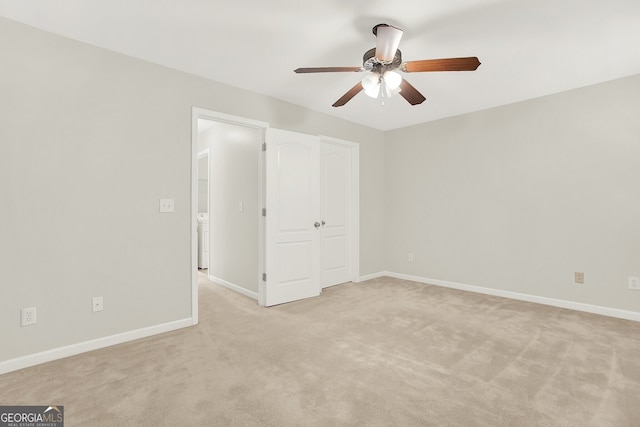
167	205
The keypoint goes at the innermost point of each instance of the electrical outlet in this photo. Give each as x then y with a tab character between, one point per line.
167	205
579	277
634	283
28	316
410	257
97	304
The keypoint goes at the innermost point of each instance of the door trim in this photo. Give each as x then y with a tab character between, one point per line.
201	113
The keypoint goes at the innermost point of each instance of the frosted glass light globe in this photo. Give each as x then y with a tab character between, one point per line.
371	84
392	80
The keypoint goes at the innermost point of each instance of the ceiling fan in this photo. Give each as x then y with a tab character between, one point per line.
382	63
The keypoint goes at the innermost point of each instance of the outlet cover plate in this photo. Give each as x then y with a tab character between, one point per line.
579	277
167	205
28	316
634	283
98	304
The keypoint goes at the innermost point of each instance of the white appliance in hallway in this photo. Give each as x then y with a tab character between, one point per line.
203	240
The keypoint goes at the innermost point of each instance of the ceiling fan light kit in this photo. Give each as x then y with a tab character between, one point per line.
387	84
382	63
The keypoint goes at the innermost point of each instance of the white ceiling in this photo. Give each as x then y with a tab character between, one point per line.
528	48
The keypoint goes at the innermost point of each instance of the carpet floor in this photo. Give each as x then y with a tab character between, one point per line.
385	352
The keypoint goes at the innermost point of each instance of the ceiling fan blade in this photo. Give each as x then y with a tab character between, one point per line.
347	96
328	70
410	93
445	64
387	42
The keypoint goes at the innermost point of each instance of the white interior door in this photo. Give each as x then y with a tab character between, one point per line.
335	189
293	210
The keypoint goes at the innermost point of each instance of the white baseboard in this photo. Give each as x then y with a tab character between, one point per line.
372	276
95	344
234	287
572	305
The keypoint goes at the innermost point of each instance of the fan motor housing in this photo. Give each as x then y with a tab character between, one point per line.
371	63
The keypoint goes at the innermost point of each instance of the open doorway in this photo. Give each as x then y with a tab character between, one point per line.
234	194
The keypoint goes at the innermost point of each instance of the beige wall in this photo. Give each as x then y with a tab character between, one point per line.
520	197
90	141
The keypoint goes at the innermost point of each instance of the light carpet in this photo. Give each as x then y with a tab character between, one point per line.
385	352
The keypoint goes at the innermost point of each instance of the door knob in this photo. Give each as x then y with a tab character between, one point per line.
316	224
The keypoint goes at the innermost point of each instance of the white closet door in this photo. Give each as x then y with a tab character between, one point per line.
293	217
335	189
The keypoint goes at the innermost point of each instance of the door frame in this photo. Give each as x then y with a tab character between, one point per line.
202	113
